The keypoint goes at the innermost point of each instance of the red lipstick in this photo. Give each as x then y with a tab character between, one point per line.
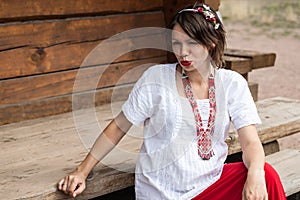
185	63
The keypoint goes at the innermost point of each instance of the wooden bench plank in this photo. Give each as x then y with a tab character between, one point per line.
280	117
29	156
258	59
286	163
240	65
50	148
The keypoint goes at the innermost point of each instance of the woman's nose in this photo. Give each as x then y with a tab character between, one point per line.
184	51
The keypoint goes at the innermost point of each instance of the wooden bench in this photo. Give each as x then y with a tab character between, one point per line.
286	163
35	154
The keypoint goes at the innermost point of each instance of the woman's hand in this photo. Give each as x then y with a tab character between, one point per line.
254	160
255	186
73	184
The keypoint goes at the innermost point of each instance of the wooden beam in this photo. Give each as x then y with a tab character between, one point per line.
240	65
171	7
60	83
12	10
35	34
258	59
61	104
27	61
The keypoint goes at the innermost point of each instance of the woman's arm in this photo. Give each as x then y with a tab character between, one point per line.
74	183
254	160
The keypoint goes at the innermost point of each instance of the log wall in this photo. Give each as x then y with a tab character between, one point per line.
44	43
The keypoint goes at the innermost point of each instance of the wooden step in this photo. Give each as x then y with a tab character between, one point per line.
280	117
286	163
35	154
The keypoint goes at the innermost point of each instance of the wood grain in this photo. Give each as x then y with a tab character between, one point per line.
258	59
60	83
238	64
12	10
61	104
27	61
46	33
286	163
41	150
280	117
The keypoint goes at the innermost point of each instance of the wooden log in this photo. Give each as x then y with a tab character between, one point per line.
60	83
258	59
171	7
12	10
27	61
61	104
53	32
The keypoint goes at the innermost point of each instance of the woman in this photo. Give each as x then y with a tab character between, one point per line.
186	109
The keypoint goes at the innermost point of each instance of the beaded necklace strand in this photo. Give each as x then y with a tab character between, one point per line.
205	150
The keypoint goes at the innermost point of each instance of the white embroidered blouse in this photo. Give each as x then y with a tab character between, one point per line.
168	165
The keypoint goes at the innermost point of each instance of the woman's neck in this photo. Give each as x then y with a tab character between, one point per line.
199	76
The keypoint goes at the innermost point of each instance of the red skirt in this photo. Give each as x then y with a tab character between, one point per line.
231	184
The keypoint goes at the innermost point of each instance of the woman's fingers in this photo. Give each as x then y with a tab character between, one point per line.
65	185
76	185
72	185
60	184
80	188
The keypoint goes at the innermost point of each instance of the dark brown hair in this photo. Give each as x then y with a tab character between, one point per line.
197	27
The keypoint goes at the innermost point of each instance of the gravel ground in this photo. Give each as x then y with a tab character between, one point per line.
281	80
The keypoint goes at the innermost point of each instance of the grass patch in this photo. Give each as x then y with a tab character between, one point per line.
279	15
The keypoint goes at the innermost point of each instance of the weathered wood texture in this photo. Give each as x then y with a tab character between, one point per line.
258	59
171	7
37	96
58	45
280	117
50	147
12	10
286	163
45	43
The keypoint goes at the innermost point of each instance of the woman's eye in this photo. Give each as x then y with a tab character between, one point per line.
175	43
193	43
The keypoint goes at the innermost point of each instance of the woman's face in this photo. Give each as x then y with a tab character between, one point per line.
189	53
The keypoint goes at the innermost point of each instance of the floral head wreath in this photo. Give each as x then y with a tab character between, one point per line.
206	12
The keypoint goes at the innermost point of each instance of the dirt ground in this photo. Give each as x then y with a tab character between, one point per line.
281	80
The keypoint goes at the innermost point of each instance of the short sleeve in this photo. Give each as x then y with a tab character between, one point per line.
242	109
137	107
